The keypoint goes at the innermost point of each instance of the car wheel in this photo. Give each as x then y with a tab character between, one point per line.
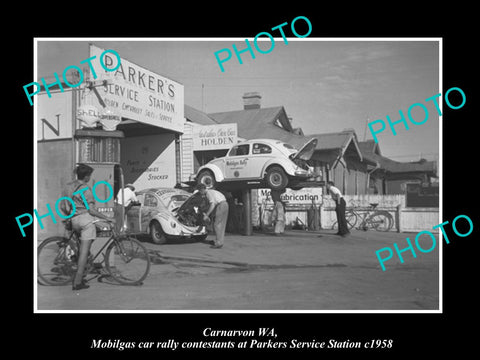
276	178
156	233
207	178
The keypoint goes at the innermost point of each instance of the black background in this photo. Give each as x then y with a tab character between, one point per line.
62	335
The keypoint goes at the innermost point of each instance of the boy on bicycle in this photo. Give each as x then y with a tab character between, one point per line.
82	220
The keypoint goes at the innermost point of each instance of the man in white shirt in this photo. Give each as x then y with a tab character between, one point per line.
339	209
218	203
128	193
130	199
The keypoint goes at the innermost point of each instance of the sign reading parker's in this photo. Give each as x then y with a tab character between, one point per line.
139	94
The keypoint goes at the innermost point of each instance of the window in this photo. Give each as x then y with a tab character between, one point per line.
150	200
239	150
261	149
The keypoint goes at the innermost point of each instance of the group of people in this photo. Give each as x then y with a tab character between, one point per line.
83	220
278	213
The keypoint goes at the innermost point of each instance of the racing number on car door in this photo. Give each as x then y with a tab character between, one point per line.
236	163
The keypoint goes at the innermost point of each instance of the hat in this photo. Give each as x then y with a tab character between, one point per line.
130	186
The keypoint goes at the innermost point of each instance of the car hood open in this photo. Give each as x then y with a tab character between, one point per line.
306	151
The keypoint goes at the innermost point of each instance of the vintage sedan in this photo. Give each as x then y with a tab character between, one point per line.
157	216
271	162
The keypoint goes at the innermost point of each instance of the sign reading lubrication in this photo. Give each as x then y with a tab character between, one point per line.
139	94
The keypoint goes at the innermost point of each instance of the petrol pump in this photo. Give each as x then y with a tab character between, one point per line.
98	145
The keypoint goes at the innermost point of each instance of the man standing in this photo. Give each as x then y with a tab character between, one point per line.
339	209
82	221
217	202
127	201
278	214
130	197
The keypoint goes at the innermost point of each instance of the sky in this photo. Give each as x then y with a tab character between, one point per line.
324	85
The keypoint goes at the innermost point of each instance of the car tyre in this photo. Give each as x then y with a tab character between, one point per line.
156	233
276	178
207	178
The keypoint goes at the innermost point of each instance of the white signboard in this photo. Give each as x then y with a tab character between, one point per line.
139	94
149	161
54	116
298	197
212	137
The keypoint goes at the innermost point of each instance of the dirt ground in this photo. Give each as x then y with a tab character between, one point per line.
311	271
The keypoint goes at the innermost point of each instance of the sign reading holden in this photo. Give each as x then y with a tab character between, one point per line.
139	94
211	137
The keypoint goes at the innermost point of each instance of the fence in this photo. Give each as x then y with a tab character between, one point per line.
405	219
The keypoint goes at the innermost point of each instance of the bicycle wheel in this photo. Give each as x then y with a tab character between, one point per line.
56	261
380	221
351	218
127	260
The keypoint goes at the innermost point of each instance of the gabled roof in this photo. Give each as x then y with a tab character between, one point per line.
253	119
260	123
340	141
369	147
197	116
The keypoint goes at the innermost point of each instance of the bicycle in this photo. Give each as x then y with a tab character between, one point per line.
126	259
379	220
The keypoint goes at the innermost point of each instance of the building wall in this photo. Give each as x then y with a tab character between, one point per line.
54	171
395	187
149	161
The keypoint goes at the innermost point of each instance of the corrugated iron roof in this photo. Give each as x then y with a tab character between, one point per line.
197	116
369	147
393	166
248	120
371	151
260	123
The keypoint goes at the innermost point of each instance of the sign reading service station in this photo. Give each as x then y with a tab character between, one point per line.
139	94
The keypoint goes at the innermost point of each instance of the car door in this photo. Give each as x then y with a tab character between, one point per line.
147	211
260	154
236	162
134	214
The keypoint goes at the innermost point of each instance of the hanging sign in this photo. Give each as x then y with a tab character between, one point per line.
139	94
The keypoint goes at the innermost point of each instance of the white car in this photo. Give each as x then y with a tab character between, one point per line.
266	161
157	216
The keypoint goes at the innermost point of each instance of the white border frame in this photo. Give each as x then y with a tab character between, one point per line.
440	175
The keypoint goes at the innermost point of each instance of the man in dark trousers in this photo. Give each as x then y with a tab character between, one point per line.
339	209
218	203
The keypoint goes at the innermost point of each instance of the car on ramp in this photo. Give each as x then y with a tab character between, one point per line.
266	162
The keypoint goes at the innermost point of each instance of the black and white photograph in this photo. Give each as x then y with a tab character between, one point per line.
290	182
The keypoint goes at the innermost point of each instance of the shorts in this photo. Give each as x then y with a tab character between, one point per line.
84	225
